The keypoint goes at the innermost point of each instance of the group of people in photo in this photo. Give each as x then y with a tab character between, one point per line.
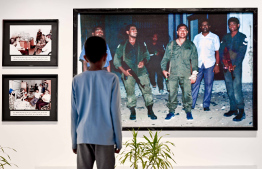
33	98
183	63
23	44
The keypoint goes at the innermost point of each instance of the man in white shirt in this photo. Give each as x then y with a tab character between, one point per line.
207	44
45	100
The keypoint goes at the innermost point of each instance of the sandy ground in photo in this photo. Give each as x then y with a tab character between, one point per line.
214	118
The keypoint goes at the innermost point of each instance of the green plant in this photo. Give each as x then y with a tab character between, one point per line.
134	152
5	158
151	154
157	153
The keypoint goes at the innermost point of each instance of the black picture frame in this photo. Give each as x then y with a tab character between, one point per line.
26	58
24	114
78	40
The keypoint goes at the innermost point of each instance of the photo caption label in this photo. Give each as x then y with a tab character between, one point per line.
30	58
30	113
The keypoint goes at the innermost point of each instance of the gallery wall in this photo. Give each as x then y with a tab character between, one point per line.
48	144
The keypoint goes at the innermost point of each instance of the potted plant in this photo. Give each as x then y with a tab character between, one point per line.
134	152
5	158
152	153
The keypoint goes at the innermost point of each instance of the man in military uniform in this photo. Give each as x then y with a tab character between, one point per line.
234	45
135	55
182	55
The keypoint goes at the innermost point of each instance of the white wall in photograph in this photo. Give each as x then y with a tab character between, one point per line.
31	30
47	145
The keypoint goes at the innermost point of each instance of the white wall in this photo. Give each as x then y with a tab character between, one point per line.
48	143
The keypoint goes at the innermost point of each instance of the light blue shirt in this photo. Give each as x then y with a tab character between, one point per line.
95	113
109	56
206	47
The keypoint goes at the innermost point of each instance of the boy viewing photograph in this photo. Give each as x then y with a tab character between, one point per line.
96	127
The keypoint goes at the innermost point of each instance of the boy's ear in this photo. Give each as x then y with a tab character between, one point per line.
85	58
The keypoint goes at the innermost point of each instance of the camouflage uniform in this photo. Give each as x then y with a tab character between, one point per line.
180	58
132	55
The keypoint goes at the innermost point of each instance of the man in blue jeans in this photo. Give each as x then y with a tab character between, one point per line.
234	45
207	44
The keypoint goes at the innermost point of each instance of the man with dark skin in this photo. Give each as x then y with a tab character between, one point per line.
156	50
234	44
135	54
182	55
207	44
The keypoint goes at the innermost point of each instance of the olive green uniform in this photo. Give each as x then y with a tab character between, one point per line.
132	55
181	58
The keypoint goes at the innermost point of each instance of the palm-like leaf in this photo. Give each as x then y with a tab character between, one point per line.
5	158
152	153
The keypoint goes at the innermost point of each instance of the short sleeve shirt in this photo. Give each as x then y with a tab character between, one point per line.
109	56
206	47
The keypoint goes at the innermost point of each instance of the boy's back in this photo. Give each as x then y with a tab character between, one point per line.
95	115
95	108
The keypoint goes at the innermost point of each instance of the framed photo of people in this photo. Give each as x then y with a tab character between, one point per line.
29	97
30	42
179	69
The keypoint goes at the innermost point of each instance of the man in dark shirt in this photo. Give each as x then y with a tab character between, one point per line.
156	51
232	52
135	54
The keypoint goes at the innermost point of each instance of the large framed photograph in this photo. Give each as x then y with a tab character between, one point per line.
179	69
29	98
30	42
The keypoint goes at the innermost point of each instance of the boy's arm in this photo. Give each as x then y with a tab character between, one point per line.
74	117
116	113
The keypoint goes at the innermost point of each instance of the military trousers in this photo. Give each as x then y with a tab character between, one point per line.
130	90
185	84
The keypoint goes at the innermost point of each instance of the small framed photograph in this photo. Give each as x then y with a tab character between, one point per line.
155	52
29	97
30	42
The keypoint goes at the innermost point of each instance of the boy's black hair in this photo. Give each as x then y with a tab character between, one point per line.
95	48
129	26
180	25
233	19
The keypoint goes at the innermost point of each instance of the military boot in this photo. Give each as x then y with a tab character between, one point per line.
150	112
133	113
231	113
241	115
